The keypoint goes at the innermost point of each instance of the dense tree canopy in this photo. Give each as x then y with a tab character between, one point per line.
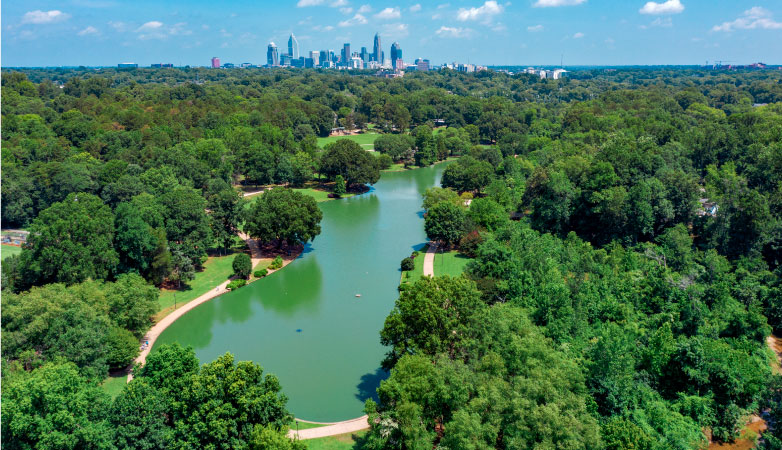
284	215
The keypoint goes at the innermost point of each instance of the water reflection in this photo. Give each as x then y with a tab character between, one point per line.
367	387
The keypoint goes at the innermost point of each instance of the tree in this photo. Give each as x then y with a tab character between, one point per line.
284	215
435	195
242	265
138	417
225	207
122	348
69	242
339	186
182	268
487	213
445	222
467	175
134	241
345	157
397	146
429	318
132	303
53	407
187	225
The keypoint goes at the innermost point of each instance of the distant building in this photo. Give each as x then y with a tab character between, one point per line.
246	65
293	47
396	57
377	53
315	58
286	60
272	57
127	65
345	56
422	65
364	55
215	62
228	66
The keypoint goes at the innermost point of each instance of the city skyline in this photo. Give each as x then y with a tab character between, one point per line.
532	32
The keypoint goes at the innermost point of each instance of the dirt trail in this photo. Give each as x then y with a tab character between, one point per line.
334	429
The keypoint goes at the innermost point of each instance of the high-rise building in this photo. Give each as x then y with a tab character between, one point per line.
325	56
422	65
377	53
215	62
396	57
364	55
315	57
272	57
345	60
293	47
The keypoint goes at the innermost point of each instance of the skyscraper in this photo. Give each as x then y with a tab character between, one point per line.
396	56
215	62
345	60
272	57
377	54
364	56
293	47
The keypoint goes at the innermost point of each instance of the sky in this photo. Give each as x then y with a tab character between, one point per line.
517	32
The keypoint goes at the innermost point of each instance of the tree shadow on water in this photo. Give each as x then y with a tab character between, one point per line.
367	387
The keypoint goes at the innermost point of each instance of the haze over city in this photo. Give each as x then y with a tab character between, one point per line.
542	32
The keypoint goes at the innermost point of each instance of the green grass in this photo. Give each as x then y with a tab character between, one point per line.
365	140
414	275
305	425
114	384
9	250
216	270
449	263
340	442
320	195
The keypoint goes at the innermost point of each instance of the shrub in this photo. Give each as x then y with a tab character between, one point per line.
242	265
408	264
122	347
276	264
468	245
260	273
415	254
236	284
384	162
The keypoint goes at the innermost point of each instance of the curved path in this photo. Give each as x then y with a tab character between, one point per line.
429	260
221	289
332	429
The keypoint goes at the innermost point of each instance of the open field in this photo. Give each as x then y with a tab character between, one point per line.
365	140
9	250
339	442
450	263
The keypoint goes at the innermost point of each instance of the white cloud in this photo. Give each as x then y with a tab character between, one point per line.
323	28
306	3
338	3
39	17
389	13
365	9
556	3
150	26
578	35
346	10
667	7
483	13
752	19
120	27
89	30
535	28
454	32
415	8
358	19
396	30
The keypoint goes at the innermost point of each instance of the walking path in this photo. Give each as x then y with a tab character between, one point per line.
429	260
333	429
153	333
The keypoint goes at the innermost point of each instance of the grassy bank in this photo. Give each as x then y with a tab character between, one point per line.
9	250
340	442
365	140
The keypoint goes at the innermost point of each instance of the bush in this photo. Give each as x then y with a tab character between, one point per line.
468	245
242	265
414	254
236	284
408	264
260	273
384	162
276	264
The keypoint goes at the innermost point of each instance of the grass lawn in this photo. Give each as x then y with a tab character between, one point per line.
450	263
414	275
9	250
114	384
304	425
216	270
365	140
319	195
340	442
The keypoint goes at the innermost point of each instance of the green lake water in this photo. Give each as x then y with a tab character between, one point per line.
305	323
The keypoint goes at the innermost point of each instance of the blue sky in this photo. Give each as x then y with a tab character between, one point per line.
517	32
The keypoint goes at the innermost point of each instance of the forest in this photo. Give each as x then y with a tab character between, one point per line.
625	228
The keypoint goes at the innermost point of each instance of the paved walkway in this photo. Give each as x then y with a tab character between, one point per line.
429	260
153	333
333	429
